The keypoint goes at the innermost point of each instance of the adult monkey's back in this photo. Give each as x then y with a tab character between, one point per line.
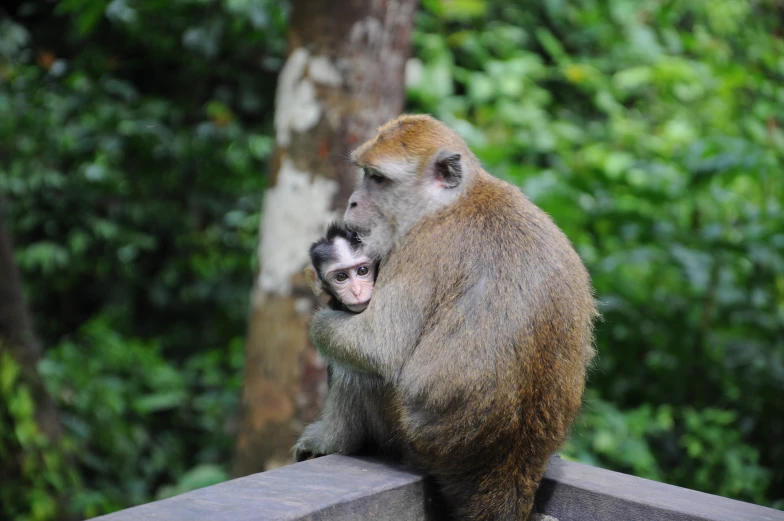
480	325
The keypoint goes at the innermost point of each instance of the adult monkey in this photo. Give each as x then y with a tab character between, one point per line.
478	336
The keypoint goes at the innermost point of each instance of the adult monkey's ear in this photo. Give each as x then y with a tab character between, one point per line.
447	169
313	280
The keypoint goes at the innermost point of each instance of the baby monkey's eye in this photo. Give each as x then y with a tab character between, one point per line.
341	277
362	271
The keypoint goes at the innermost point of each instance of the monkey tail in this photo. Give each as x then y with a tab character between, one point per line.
504	494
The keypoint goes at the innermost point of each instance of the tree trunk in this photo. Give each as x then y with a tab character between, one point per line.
18	338
20	351
343	78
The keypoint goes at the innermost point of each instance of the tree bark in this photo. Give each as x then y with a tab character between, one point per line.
18	338
344	77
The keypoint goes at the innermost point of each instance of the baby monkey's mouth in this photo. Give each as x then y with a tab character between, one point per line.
359	306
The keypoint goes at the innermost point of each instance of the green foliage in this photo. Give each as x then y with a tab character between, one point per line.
133	144
135	417
652	133
35	474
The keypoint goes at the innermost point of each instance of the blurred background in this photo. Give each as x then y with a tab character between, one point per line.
148	339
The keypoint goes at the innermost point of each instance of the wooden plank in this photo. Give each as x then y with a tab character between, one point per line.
577	492
332	487
354	489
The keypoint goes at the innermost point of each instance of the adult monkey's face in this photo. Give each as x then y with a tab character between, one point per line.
409	170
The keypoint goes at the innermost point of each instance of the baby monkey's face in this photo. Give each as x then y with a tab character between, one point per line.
351	277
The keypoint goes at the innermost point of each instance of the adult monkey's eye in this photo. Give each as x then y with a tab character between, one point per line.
373	175
341	277
362	271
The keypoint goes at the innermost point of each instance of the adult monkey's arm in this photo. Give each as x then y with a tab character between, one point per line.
379	339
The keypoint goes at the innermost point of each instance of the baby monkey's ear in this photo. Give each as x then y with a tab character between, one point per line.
313	280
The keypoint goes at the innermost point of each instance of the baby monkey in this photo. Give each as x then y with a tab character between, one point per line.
341	268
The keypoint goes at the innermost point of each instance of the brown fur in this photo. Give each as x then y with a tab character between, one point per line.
480	328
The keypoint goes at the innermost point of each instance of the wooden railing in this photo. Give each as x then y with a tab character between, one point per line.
353	489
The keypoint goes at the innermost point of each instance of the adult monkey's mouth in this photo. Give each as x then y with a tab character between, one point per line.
356	229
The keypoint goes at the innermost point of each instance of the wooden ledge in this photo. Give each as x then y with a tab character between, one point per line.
353	489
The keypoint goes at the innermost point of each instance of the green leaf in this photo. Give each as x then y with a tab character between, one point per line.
159	401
